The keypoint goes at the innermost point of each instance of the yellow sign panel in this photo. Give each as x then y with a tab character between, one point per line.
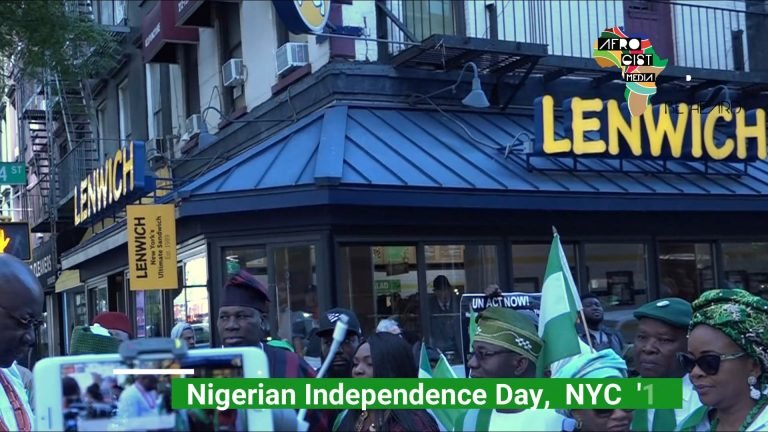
152	247
314	13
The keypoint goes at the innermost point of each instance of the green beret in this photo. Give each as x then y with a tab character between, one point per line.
672	310
509	329
84	341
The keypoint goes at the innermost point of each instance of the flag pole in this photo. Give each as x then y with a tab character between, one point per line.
581	311
586	330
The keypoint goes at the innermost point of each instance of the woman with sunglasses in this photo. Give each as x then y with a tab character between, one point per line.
727	360
601	364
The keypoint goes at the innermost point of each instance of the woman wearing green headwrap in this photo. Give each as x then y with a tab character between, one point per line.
727	360
600	364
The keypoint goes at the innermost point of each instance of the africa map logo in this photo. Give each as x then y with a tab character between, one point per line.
638	61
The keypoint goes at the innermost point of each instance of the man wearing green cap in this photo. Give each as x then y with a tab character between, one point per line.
661	334
506	345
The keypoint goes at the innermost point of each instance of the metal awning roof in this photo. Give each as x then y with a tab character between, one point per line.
402	157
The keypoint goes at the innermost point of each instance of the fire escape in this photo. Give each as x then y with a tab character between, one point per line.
60	123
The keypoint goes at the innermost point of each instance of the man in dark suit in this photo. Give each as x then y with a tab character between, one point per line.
242	323
444	308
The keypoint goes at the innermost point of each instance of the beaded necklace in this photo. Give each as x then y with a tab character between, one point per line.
751	416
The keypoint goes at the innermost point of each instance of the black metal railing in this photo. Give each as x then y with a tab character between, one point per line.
74	167
710	35
36	201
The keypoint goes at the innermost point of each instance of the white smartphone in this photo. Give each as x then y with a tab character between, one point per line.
83	393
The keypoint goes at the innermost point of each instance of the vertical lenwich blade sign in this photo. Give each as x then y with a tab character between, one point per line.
152	247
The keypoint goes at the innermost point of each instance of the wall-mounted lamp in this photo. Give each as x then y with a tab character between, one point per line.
476	97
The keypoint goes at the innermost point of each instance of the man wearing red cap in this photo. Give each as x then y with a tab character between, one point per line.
117	323
242	322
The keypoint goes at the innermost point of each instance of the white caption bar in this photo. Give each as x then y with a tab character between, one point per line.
154	371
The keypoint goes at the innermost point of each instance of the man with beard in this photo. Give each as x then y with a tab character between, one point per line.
242	323
342	361
21	307
661	334
602	337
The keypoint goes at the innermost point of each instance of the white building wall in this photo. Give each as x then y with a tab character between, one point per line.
208	71
259	39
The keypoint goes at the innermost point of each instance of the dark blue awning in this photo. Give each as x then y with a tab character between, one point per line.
399	157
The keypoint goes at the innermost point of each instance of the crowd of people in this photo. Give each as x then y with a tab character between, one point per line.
717	345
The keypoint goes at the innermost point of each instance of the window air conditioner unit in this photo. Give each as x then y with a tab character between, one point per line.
157	150
291	55
232	71
192	125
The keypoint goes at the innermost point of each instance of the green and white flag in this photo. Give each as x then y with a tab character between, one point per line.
443	369
560	306
425	369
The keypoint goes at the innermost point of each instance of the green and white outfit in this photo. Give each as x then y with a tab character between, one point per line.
672	419
492	421
742	317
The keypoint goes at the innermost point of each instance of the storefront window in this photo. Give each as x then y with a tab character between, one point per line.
745	266
379	282
42	335
250	258
77	310
469	268
685	269
191	304
453	270
296	290
99	301
617	274
529	263
149	313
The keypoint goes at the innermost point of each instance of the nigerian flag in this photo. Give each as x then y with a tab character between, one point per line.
445	418
560	306
425	369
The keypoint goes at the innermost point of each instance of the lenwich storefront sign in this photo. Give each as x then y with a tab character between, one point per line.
598	128
121	179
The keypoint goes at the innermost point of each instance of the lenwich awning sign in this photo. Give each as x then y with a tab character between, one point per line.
597	128
119	180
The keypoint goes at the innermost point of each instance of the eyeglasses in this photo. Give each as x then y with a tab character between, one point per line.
708	363
485	355
25	323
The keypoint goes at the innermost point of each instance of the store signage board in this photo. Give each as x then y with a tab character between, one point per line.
16	240
123	178
152	255
303	16
605	129
44	264
12	173
520	301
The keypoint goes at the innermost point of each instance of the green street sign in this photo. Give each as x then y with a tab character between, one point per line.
12	173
